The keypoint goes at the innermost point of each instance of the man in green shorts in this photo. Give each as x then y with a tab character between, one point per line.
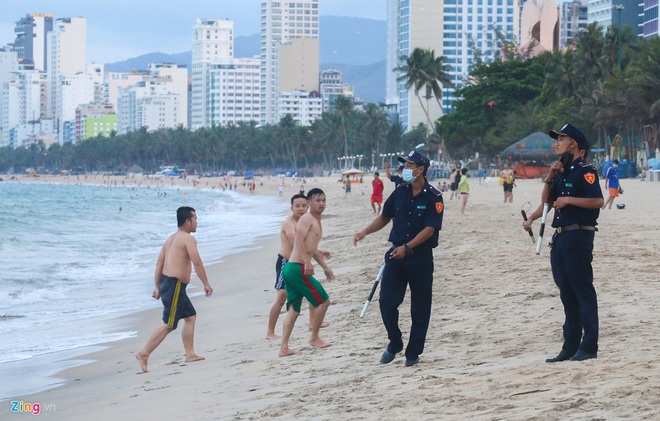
298	275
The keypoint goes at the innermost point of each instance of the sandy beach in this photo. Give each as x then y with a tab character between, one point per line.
496	317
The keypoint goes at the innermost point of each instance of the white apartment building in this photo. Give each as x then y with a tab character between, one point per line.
179	77
212	40
332	86
149	103
8	68
303	106
22	101
573	18
282	22
66	56
30	43
456	29
74	91
600	11
234	91
116	80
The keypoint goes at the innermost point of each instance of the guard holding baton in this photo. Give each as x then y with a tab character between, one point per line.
572	189
416	209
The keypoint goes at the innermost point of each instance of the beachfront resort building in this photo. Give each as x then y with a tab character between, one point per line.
304	107
212	40
234	91
95	119
332	86
573	18
619	13
650	18
179	85
151	104
30	43
291	30
464	31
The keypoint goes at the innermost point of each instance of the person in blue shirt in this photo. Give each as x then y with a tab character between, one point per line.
612	181
396	179
416	209
573	190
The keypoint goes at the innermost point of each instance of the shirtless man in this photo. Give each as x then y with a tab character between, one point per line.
299	206
172	275
508	177
298	275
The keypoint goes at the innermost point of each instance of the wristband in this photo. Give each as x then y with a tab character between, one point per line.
408	249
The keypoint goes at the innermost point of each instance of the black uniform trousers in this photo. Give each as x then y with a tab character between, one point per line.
415	270
570	258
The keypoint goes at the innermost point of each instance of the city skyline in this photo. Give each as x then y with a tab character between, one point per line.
128	29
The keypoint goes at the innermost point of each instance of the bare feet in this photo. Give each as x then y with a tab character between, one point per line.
286	352
142	359
193	358
319	343
321	327
272	336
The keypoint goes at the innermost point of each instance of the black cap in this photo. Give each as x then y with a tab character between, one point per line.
574	133
416	158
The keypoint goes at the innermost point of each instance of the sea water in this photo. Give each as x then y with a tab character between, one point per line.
71	259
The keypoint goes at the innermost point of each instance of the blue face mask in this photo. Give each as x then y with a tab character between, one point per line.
615	165
408	176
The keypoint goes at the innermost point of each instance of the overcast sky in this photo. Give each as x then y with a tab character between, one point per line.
121	29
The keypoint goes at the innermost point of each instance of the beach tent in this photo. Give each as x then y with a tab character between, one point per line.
533	153
136	169
352	171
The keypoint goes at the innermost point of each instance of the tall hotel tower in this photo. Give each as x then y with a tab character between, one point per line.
212	39
296	25
457	29
30	43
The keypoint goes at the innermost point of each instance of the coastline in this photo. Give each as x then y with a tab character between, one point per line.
496	317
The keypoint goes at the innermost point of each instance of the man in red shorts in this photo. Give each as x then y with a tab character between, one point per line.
377	195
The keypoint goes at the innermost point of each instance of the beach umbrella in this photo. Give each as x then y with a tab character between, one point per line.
352	171
535	147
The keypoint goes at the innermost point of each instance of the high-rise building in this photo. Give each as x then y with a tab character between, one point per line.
74	91
283	23
464	31
8	69
95	119
650	20
179	77
66	56
212	40
332	86
618	12
30	42
116	80
150	103
304	107
573	18
235	91
600	11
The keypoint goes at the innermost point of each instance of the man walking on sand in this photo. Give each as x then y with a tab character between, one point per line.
299	206
298	275
377	195
173	270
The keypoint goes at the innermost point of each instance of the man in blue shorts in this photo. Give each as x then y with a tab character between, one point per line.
176	256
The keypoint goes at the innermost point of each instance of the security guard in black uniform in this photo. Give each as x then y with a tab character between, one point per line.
573	190
417	209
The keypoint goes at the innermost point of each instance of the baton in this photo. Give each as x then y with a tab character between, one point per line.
531	234
373	290
546	206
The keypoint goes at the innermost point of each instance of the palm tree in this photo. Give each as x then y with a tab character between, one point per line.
374	124
343	106
422	69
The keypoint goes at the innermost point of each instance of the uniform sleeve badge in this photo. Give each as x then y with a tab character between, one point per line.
590	177
439	207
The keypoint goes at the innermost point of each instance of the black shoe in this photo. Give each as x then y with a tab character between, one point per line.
387	357
582	355
562	356
412	362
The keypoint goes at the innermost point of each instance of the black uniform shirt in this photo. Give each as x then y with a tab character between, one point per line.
396	179
412	214
578	180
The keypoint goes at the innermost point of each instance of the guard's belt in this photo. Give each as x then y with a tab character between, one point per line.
574	227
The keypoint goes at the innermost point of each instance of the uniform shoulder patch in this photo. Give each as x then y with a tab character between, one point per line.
590	177
439	206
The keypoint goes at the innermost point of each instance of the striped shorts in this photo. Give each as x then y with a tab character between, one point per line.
176	304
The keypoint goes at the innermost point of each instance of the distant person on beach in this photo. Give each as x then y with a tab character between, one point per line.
299	206
572	189
298	275
416	209
347	186
463	189
612	184
508	177
377	194
454	179
396	179
173	270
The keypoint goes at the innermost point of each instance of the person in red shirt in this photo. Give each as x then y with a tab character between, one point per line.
377	195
